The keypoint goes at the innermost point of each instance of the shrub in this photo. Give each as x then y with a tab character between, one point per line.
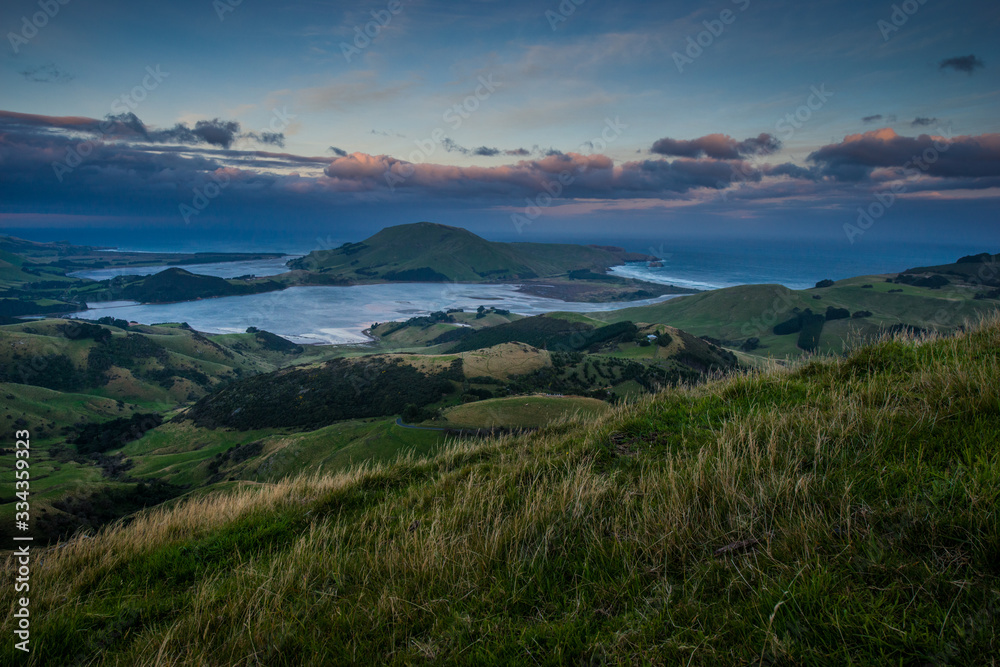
95	438
52	371
311	398
837	313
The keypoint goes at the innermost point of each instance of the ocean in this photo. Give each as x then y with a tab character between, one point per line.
794	264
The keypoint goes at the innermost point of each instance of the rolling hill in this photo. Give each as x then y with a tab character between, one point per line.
843	513
429	252
747	315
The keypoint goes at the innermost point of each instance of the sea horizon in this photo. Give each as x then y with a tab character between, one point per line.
704	264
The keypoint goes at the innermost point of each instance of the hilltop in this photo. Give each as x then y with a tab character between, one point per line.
430	252
844	512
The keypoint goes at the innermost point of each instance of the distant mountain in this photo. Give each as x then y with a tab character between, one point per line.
429	252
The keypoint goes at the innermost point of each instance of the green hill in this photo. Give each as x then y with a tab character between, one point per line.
735	316
429	252
521	411
844	513
80	367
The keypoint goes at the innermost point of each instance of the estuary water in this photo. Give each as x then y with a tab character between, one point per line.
338	315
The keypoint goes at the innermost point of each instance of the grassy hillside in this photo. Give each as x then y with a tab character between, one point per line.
844	513
94	397
521	411
58	376
429	252
504	361
155	366
735	315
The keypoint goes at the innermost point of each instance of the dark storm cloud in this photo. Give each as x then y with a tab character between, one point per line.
717	146
872	119
967	64
339	152
921	121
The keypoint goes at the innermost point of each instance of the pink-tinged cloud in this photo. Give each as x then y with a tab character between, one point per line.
36	168
569	174
35	120
858	156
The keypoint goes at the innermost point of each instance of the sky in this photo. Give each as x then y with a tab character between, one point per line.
214	121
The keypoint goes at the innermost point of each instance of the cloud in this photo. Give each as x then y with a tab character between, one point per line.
384	133
272	138
967	64
577	175
124	170
128	127
215	132
859	155
483	151
877	118
47	73
717	146
921	121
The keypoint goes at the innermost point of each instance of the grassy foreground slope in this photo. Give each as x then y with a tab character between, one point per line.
844	513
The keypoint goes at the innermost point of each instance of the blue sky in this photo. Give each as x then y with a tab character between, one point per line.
341	135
